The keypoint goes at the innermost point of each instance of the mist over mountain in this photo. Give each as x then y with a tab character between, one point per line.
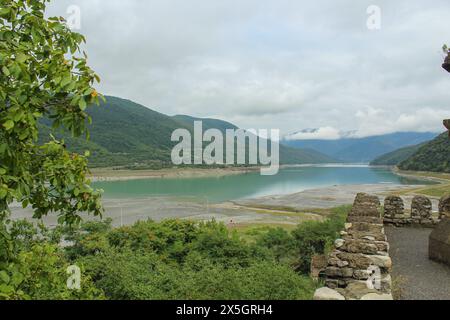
348	148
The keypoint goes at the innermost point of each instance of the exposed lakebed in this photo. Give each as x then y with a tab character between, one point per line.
295	195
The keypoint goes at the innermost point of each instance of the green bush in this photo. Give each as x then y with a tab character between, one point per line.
173	259
317	237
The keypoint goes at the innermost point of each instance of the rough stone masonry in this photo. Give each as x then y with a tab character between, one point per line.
439	246
359	266
444	207
421	212
394	209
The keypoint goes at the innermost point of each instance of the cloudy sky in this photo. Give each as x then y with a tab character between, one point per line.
275	64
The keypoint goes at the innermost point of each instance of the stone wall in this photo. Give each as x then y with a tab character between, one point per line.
421	212
439	246
359	266
444	207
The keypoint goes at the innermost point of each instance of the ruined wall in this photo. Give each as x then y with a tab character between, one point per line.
439	246
444	207
359	266
421	212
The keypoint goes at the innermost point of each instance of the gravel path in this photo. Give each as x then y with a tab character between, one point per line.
418	277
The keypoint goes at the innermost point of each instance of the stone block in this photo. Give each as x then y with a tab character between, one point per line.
366	205
327	294
439	246
394	207
444	207
421	208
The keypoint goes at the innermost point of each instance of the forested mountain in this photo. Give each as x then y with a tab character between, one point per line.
207	123
433	156
362	150
395	157
126	134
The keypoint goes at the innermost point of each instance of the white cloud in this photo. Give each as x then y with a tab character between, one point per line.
275	63
326	133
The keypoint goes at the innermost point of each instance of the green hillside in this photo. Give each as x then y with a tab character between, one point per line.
433	156
126	134
395	157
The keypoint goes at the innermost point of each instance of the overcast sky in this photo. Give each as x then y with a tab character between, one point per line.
275	64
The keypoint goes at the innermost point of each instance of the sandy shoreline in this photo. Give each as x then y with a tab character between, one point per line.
109	174
430	176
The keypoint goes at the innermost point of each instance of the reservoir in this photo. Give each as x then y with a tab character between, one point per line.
235	187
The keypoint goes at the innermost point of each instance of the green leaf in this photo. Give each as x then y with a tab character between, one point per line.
17	278
23	136
21	57
8	125
82	104
4	12
3	193
4	277
6	289
66	81
5	71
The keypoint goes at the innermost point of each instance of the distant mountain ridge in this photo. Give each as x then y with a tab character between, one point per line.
287	155
208	123
362	150
126	134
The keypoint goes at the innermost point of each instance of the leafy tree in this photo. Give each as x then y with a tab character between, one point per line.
177	259
42	74
40	274
315	237
280	243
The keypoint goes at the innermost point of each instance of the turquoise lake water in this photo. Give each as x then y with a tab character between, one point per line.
234	187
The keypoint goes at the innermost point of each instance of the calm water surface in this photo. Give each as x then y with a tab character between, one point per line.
218	189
